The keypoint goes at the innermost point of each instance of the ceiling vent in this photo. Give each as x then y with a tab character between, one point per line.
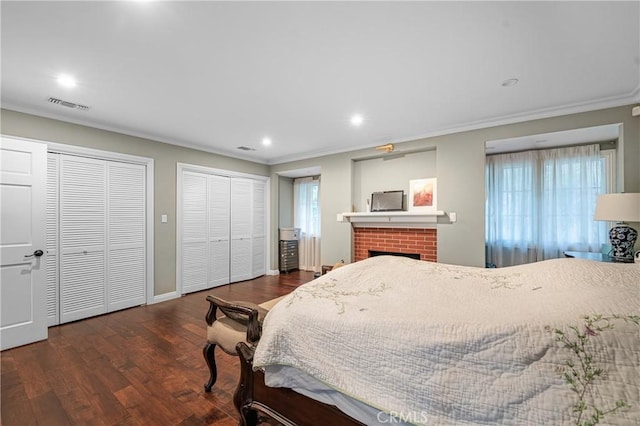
68	104
245	148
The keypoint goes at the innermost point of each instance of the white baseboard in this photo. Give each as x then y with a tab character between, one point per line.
273	272
165	296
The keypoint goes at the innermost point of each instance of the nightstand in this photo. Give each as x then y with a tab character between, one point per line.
599	257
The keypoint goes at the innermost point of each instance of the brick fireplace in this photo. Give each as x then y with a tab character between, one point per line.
422	241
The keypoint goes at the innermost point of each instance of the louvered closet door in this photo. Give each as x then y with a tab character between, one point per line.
241	258
219	228
82	238
126	240
195	258
258	243
52	240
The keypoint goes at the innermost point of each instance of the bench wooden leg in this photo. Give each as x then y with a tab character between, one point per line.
209	357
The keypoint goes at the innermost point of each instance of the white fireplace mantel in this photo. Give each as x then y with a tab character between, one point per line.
403	219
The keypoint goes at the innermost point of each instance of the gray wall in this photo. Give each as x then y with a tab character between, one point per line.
285	202
165	159
460	162
460	159
335	197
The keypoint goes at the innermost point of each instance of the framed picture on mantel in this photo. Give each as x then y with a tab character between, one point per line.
423	195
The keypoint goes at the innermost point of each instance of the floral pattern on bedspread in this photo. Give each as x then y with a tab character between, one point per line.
330	290
495	280
582	370
462	345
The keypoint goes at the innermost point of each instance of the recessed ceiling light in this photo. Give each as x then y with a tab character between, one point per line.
357	120
266	141
65	80
510	82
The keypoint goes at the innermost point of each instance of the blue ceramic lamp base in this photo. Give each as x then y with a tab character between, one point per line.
623	238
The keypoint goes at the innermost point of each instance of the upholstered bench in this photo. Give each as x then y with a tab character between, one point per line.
237	325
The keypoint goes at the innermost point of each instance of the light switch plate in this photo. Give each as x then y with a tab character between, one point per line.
163	218
453	216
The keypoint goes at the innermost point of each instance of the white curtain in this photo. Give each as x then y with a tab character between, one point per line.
306	199
541	203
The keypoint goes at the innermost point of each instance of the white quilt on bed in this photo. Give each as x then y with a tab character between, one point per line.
444	344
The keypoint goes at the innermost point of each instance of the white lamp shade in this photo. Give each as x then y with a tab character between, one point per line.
624	207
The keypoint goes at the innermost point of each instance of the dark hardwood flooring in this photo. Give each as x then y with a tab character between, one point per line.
140	366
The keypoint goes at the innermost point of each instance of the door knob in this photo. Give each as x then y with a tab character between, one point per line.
36	253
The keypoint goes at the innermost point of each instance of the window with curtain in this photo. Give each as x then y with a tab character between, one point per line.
541	203
306	212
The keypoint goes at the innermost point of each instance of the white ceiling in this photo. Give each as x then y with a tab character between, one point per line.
219	75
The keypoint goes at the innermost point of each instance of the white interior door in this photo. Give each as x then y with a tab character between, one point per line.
23	168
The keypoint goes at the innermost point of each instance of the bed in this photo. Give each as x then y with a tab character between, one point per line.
395	340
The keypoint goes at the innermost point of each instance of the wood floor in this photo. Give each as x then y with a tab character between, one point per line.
140	366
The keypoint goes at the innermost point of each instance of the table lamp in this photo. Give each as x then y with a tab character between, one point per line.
620	208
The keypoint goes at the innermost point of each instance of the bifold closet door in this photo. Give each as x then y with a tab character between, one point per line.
205	231
195	263
241	215
96	237
258	234
219	191
126	236
222	228
53	272
83	229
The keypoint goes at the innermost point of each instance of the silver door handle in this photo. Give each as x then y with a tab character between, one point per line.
36	253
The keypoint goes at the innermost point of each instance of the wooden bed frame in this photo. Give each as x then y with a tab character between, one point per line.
254	399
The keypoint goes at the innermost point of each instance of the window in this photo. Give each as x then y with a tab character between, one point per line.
306	197
541	203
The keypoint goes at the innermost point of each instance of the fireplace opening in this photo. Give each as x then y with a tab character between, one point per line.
415	256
